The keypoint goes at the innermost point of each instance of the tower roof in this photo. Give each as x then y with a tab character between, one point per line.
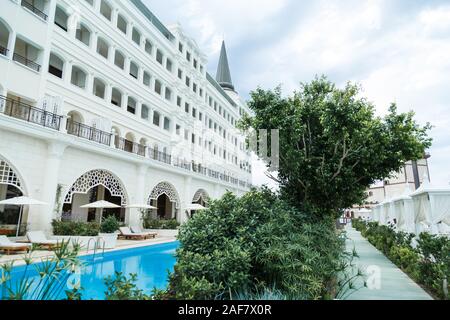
223	75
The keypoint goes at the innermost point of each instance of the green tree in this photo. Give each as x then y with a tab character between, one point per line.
332	146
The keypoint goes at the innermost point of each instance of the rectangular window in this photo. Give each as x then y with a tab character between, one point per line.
180	74
186	107
159	56
179	101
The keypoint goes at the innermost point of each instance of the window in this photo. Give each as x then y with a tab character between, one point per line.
180	47
180	74
148	47
56	66
188	81
168	94
116	97
159	56
200	116
131	106
27	54
78	77
169	65
134	70
122	24
193	138
99	88
179	101
186	134
146	79
136	37
186	107
106	10
83	34
177	130
166	123
61	18
145	112
194	113
194	87
102	47
156	118
119	60
188	56
195	64
158	87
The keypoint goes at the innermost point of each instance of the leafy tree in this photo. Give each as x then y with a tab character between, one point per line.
332	146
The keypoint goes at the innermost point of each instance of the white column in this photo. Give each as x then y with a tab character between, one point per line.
68	71
11	44
90	83
108	93
125	101
44	215
94	39
127	65
182	217
134	218
139	108
111	53
113	138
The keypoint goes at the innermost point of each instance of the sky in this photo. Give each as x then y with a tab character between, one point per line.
397	50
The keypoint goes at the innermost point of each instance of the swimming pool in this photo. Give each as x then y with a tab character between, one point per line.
151	264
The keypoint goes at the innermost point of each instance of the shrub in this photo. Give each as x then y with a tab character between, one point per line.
110	225
74	228
249	244
120	288
161	224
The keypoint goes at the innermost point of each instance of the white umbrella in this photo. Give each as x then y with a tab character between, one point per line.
141	206
102	204
195	207
22	201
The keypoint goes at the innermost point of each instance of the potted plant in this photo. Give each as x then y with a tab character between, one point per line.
108	232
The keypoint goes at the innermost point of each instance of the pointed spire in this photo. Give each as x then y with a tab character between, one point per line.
223	75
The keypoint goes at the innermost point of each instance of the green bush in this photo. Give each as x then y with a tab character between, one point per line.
74	228
249	244
110	225
121	288
161	224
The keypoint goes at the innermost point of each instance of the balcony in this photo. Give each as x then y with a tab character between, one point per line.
82	131
130	146
26	62
159	156
22	111
32	8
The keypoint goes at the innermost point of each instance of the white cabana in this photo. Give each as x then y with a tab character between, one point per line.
392	215
403	205
21	202
384	212
376	213
432	208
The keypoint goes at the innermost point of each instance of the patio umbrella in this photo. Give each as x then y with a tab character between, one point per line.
195	207
22	201
102	204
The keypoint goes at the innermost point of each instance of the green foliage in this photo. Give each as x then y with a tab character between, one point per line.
73	228
332	146
120	287
161	224
428	262
53	275
110	225
248	244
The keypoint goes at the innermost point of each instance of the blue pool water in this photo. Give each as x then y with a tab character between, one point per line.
151	264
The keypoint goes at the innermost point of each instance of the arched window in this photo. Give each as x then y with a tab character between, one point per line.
158	87
148	47
166	123
159	56
99	88
75	116
136	36
4	38
102	47
116	97
61	18
168	94
131	106
134	70
146	79
119	60
56	66
156	118
145	112
106	10
78	77
83	34
122	24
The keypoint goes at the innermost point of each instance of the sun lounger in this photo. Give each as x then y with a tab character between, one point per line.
126	233
38	238
7	246
138	230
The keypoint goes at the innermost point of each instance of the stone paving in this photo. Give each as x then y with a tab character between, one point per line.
386	280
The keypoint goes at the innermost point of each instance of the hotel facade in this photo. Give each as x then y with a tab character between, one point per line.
100	101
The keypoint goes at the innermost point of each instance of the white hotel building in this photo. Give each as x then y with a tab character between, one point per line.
100	101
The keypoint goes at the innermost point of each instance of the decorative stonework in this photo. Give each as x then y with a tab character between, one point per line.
95	178
8	176
167	189
201	194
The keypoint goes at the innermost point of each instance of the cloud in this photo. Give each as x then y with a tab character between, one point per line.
398	50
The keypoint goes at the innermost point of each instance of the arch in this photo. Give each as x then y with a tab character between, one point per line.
130	137
201	195
56	65
83	33
9	175
75	116
5	34
79	77
96	178
165	188
99	88
103	47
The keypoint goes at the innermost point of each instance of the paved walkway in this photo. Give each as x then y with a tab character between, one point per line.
388	282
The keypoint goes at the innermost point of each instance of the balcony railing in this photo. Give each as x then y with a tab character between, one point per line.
159	156
89	133
3	51
29	113
26	62
130	146
33	9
